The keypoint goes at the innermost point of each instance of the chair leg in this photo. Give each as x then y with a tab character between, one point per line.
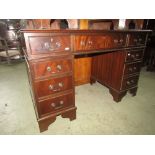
20	55
8	57
0	59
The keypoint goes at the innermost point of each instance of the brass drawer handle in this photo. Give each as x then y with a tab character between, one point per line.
82	43
60	84
133	56
57	106
130	69
121	41
49	69
47	46
57	44
118	42
51	46
137	55
53	105
51	87
90	42
128	83
135	68
61	102
56	87
115	41
59	67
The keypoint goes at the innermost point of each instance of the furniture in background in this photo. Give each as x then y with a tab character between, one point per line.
149	54
49	24
10	40
110	24
7	53
101	24
116	63
4	49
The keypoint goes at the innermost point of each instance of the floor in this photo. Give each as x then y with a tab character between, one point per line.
97	113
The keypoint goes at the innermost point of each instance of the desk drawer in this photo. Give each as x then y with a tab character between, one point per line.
134	55
137	39
52	67
132	68
54	85
56	104
98	42
49	44
130	82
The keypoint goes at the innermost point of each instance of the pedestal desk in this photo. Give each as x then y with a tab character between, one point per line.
116	63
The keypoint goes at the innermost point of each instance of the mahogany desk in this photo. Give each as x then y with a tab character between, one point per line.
116	63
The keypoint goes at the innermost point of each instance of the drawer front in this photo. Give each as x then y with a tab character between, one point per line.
54	85
52	67
47	44
132	68
137	39
96	42
130	82
134	55
56	104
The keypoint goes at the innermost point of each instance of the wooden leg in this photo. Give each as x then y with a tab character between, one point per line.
117	96
92	80
70	114
43	124
133	91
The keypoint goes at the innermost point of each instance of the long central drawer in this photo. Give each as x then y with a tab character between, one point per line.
98	42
